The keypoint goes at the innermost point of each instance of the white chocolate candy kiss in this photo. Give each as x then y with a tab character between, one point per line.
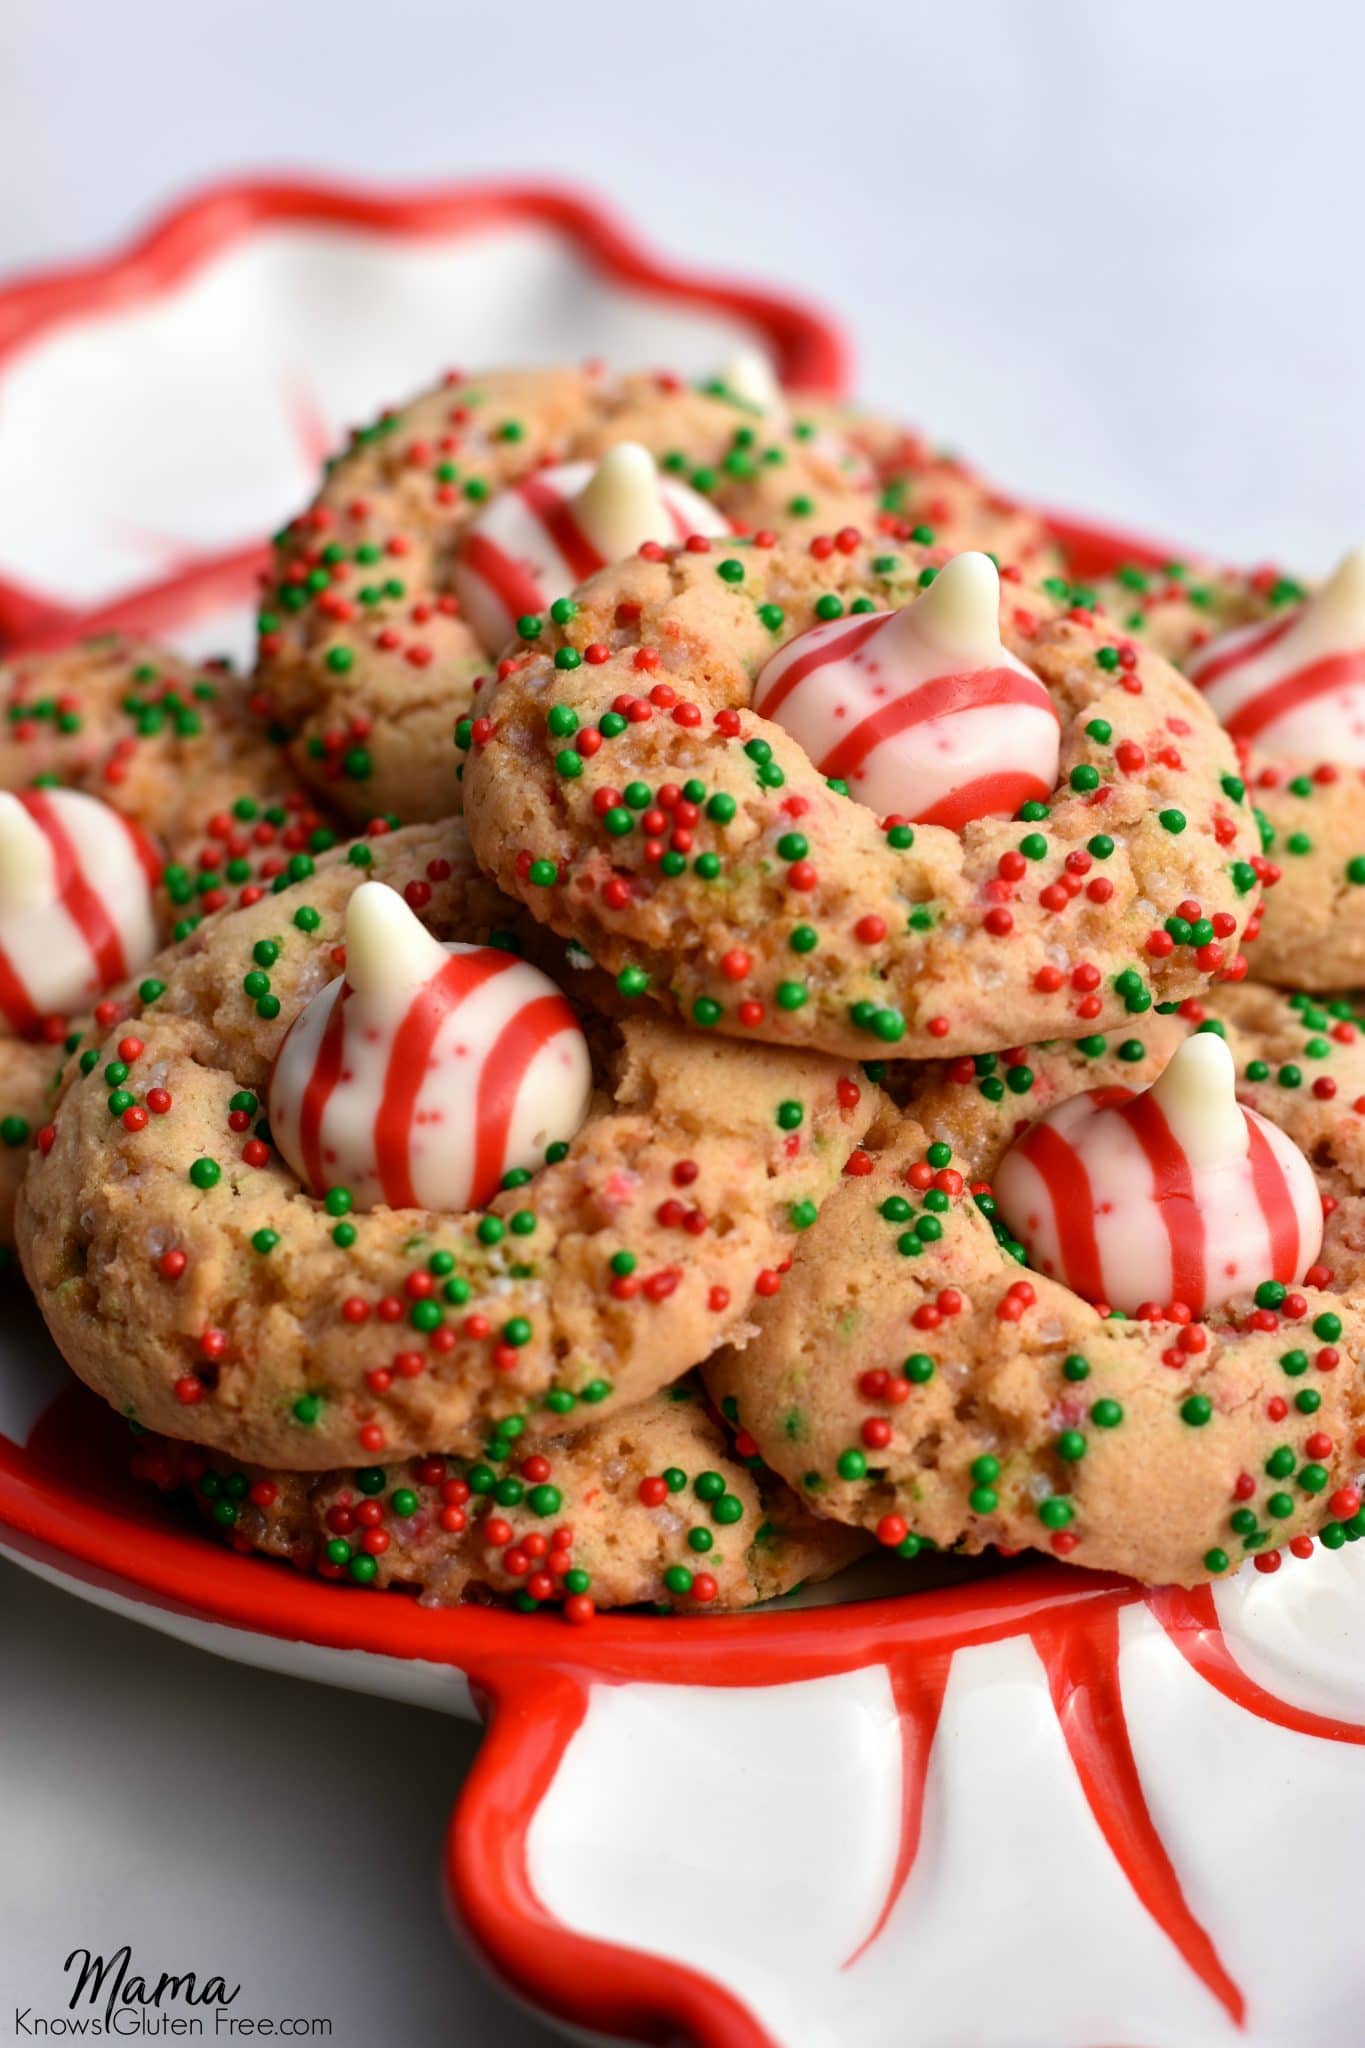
77	910
748	377
27	874
1175	1194
429	1071
923	712
622	504
1295	688
542	537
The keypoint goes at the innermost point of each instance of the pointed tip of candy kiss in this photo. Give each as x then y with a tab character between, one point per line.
388	948
622	505
1197	1094
25	857
959	613
1342	597
748	376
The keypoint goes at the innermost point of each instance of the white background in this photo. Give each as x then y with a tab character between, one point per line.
1114	252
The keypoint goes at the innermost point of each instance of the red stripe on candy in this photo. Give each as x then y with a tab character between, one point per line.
681	523
19	1011
1276	1204
516	591
1062	1171
990	796
1305	686
556	515
323	1079
1173	1193
1234	657
522	1037
409	1056
79	899
839	647
149	858
976	690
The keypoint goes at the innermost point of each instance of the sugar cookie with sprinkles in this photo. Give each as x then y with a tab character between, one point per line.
932	496
623	783
483	503
1178	607
136	791
916	1378
648	1507
607	1240
174	746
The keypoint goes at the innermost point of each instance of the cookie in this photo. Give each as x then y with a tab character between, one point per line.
1178	608
937	498
138	791
209	1290
649	1506
170	744
671	775
446	521
916	1378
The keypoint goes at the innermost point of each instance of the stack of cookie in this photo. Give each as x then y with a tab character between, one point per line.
646	1188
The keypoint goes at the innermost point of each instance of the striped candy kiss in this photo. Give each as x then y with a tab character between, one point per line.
76	903
428	1072
922	712
1176	1193
1296	687
542	537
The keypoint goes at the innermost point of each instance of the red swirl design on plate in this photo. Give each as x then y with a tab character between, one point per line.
65	1501
809	352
